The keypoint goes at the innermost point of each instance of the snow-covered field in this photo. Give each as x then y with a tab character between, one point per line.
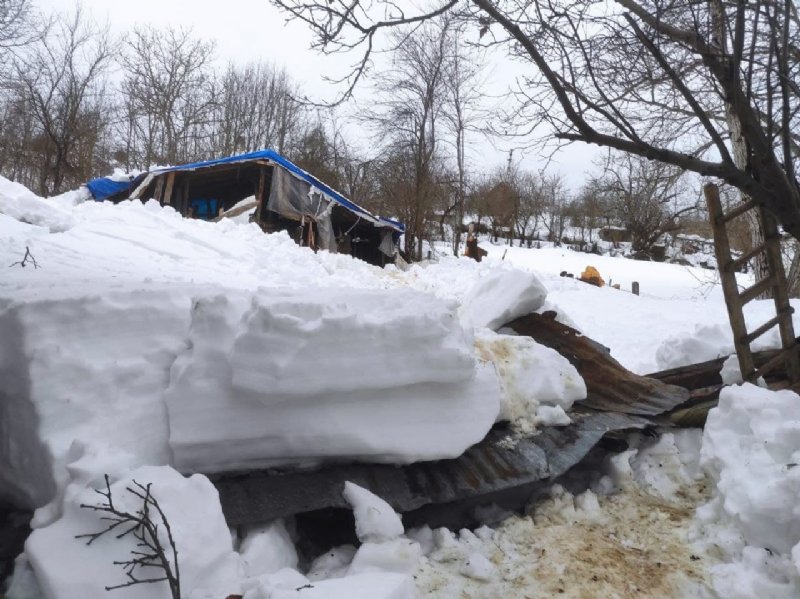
142	343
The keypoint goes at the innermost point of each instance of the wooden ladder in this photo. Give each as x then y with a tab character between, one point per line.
735	300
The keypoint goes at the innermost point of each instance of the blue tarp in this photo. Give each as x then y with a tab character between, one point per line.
104	187
273	156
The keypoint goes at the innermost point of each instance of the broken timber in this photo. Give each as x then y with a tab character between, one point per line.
734	300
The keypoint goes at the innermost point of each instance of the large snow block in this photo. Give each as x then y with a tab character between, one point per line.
501	296
90	368
307	342
67	568
406	416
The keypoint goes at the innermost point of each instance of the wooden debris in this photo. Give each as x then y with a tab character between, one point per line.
235	211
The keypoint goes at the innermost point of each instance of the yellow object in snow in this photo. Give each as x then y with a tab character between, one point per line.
590	275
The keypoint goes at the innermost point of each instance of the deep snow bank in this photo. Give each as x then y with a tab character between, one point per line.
213	346
751	448
289	377
67	567
91	368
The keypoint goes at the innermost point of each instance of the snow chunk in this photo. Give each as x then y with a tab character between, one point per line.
267	585
207	561
352	339
332	564
360	586
396	424
89	368
267	549
706	342
532	376
18	202
398	555
501	296
730	372
478	567
376	521
751	446
552	416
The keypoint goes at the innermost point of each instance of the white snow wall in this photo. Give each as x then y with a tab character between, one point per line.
225	379
91	368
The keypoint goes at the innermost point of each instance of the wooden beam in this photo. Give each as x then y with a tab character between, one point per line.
168	191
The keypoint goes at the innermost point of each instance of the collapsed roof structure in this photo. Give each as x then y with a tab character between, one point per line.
283	196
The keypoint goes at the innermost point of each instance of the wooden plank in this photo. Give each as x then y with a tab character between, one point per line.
772	322
733	302
751	293
168	190
707	374
738	211
159	189
777	360
735	265
260	192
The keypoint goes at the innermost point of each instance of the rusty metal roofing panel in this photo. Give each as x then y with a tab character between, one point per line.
495	464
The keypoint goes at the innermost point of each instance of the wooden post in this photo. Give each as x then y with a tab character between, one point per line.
168	190
635	287
159	193
262	182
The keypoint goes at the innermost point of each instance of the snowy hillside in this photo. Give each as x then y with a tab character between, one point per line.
141	344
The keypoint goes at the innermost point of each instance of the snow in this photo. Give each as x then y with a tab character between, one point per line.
333	564
268	549
212	346
146	342
538	383
62	563
751	445
400	556
361	586
24	206
500	297
376	521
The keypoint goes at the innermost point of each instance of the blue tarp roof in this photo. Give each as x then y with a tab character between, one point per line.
104	185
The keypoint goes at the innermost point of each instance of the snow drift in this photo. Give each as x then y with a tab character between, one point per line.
212	346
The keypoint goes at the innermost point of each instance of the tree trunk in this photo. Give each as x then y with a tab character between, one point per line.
741	158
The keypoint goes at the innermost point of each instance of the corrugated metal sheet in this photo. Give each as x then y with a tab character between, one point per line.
610	386
490	466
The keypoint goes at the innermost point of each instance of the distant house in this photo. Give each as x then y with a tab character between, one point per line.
613	234
280	195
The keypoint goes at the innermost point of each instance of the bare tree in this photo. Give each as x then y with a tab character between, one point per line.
530	207
652	78
647	198
256	109
169	96
61	82
407	112
462	98
20	27
555	202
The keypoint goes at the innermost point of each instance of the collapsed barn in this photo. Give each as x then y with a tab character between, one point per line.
281	196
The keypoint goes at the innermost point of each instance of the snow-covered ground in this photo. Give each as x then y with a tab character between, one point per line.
142	343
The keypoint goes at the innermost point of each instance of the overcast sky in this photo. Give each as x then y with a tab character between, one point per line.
253	30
